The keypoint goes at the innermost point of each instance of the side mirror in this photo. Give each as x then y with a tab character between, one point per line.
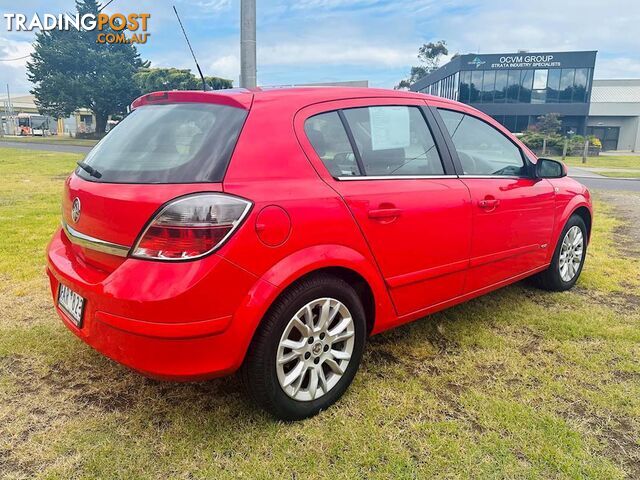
548	168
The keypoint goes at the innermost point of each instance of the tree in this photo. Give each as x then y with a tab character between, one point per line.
217	83
549	124
156	79
71	70
430	55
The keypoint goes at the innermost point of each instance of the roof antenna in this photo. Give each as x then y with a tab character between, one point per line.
204	83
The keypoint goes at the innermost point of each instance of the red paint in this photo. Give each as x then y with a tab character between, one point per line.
420	244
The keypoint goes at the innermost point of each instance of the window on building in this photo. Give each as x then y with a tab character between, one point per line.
394	140
526	85
456	82
498	118
445	87
510	122
539	92
502	78
488	85
330	141
465	83
476	86
580	85
513	86
553	85
482	149
566	85
522	123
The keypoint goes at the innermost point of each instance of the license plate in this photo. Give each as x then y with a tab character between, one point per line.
72	304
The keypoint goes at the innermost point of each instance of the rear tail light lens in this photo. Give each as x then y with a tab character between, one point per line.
191	227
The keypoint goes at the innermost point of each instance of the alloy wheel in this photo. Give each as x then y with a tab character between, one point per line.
571	253
315	349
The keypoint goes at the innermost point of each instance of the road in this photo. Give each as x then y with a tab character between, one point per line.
47	147
614	184
593	180
590	179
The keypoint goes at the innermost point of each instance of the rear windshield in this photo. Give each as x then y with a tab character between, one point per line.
172	143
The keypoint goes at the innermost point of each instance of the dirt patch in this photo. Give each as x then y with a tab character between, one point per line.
436	335
379	356
620	302
618	434
626	207
533	342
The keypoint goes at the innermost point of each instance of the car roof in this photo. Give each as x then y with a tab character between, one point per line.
297	97
317	94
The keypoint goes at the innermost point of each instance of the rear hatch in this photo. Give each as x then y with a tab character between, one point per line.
172	144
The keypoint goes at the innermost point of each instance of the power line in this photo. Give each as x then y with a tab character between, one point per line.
14	59
106	5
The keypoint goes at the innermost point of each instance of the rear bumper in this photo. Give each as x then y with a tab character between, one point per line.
180	321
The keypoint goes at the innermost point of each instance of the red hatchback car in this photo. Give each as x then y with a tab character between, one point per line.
273	231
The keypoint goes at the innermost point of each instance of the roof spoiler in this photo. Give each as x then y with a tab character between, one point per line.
238	98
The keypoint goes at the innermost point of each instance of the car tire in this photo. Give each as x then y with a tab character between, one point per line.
559	276
267	376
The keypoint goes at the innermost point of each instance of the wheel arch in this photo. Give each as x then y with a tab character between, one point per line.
579	205
584	213
338	260
353	278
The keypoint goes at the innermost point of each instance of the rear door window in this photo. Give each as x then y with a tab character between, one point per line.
394	140
330	141
170	143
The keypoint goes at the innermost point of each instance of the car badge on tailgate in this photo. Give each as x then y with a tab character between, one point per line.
75	210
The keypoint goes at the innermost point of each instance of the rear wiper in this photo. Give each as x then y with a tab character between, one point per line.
89	169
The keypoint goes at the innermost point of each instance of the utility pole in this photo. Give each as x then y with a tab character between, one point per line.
10	120
248	74
585	151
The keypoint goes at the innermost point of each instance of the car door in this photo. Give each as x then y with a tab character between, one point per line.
513	212
392	170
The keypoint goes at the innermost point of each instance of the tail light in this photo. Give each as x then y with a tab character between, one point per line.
191	227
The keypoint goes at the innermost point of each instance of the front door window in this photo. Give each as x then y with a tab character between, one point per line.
482	149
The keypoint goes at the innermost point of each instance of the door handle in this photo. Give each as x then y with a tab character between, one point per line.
489	203
383	213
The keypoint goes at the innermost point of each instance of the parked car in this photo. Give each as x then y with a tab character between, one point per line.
273	231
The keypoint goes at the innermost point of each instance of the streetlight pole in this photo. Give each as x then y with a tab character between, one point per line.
248	74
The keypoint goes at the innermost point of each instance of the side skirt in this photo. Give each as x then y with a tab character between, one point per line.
378	328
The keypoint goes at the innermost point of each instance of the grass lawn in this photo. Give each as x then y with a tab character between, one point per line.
605	161
517	384
52	140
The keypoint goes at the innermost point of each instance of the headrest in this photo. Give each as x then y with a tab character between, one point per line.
318	141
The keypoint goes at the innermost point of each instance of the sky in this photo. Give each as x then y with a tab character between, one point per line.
307	41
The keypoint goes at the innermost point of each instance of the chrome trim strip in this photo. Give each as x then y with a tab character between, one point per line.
492	176
93	243
396	177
